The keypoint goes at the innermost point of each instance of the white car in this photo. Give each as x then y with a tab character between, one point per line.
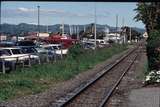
57	48
14	54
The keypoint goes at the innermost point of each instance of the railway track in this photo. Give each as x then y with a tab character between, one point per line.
98	90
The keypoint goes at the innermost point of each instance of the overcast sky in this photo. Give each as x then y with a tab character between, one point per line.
70	12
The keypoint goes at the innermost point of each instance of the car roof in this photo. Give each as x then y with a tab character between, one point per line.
51	45
9	48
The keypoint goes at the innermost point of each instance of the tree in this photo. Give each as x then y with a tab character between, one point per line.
149	14
134	34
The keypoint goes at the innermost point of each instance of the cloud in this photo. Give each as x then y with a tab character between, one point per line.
22	9
25	13
52	11
88	15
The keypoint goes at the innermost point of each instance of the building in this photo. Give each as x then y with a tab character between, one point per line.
112	36
116	37
3	37
43	35
34	35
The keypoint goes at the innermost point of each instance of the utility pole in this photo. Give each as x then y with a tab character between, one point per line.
75	31
38	21
123	32
95	32
62	27
130	35
72	29
47	28
69	29
116	27
84	28
78	32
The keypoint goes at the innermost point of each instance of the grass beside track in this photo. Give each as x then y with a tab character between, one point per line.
40	77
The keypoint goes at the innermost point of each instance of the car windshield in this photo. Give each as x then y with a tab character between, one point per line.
16	51
48	48
4	52
56	47
101	42
26	43
28	50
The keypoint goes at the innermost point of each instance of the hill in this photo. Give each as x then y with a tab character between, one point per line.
24	27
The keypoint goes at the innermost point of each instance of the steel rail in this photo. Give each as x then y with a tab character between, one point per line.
95	79
107	97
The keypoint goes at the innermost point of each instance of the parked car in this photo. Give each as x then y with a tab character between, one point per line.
31	51
7	44
89	45
13	54
45	51
25	43
9	65
50	49
57	48
34	49
16	54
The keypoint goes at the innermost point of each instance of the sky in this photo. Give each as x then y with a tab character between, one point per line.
69	13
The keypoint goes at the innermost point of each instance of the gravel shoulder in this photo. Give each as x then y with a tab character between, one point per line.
126	94
44	99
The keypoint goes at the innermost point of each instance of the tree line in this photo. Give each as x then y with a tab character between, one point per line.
149	14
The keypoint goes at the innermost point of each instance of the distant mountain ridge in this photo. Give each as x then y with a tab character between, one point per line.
24	27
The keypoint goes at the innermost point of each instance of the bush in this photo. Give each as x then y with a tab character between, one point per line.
153	50
110	41
75	51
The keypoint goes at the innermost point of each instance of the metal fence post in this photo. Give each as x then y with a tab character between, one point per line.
3	66
29	61
39	61
47	57
55	56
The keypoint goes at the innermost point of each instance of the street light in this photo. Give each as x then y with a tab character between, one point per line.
95	21
116	27
38	22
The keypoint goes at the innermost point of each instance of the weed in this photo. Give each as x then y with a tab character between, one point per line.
40	77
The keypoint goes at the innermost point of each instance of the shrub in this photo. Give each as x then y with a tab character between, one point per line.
75	51
110	41
153	50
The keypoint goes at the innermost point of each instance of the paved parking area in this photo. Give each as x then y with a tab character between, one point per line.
145	97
